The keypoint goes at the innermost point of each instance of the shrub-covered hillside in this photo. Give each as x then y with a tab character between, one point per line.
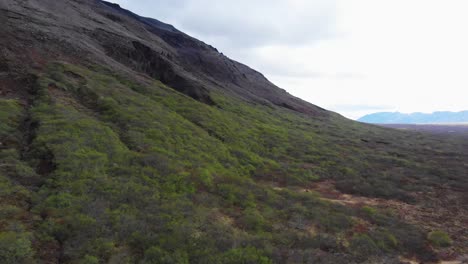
132	153
100	168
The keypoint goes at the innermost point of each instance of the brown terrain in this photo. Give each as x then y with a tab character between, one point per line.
441	212
442	129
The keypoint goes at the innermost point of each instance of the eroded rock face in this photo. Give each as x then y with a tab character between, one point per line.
155	65
142	58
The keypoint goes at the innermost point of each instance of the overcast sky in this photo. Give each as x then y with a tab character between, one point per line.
350	56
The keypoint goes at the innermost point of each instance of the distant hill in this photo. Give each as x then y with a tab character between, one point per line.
416	118
441	129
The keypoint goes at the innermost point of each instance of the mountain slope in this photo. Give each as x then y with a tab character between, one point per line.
123	140
416	118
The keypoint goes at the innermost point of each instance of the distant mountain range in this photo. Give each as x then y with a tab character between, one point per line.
416	118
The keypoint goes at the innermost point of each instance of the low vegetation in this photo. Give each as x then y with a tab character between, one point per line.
439	239
104	169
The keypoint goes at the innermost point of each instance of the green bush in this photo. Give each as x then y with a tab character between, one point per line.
14	247
385	240
248	255
362	246
370	211
439	239
10	114
253	220
155	255
89	260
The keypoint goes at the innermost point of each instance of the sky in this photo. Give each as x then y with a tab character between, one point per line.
353	57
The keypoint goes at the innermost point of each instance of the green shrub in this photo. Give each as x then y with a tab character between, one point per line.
248	255
206	178
385	240
369	210
253	220
439	239
335	222
362	246
89	260
14	247
10	113
155	255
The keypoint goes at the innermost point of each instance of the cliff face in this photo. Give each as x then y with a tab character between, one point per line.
124	140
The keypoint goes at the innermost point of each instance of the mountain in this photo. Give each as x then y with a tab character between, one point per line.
124	140
416	118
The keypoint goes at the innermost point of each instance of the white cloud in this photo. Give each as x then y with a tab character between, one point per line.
406	55
244	23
